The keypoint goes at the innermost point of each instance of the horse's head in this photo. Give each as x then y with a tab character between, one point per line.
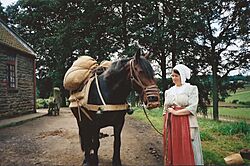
142	80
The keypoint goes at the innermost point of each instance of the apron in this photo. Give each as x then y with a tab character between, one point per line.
179	145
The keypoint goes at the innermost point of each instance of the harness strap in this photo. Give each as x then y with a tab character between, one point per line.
98	89
83	110
106	107
135	79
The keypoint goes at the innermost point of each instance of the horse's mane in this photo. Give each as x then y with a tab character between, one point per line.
119	65
146	67
116	67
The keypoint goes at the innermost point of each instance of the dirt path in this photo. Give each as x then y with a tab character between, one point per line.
55	141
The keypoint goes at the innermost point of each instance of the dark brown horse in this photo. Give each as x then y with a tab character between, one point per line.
115	84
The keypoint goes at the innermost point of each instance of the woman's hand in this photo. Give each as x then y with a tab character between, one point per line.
172	111
179	112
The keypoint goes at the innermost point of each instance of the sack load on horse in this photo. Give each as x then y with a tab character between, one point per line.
105	64
85	68
79	73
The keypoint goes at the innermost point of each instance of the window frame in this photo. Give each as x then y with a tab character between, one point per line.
11	72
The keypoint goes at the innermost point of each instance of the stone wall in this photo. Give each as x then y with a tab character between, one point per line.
22	99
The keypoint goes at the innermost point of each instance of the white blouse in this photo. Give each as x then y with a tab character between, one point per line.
185	96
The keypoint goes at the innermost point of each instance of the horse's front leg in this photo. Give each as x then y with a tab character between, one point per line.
84	135
117	144
86	140
95	146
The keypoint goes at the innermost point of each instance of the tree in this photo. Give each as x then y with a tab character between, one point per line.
174	31
63	30
224	35
169	29
3	15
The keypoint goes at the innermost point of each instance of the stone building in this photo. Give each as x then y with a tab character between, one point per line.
17	74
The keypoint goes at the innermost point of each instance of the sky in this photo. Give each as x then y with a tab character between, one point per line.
5	3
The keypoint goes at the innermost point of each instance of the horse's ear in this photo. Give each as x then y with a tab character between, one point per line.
137	55
147	55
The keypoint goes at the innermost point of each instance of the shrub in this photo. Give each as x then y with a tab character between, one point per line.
247	137
244	102
234	128
235	101
212	157
205	136
42	103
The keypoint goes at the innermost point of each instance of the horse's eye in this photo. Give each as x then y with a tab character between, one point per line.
139	70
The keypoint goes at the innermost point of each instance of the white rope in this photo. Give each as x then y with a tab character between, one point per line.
98	89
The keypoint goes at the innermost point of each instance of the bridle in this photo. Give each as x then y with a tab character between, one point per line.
148	92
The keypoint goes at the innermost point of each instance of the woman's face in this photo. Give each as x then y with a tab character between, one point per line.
176	78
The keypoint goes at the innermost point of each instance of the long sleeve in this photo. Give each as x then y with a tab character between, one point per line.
193	100
165	106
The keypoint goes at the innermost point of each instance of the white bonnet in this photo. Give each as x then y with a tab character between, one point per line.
184	71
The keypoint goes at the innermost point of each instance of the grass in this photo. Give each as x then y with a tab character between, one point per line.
240	113
217	141
242	95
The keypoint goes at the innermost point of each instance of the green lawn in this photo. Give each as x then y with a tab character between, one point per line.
242	95
219	139
238	112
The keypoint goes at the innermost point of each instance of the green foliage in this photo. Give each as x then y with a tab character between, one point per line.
42	103
3	14
244	103
234	128
212	158
235	101
206	136
247	138
45	87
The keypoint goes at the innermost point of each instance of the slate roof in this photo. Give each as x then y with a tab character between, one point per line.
12	39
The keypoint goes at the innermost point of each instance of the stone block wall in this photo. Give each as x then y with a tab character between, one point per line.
22	99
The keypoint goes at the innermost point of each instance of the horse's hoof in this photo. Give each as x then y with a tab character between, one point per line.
84	163
117	163
93	160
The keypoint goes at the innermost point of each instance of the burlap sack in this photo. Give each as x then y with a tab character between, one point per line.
105	64
79	72
234	159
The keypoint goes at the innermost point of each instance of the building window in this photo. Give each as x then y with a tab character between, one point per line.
11	72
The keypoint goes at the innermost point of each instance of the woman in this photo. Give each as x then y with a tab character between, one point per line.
180	122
